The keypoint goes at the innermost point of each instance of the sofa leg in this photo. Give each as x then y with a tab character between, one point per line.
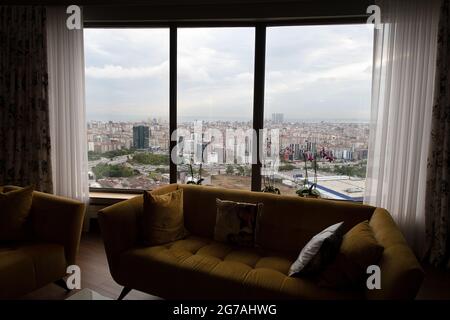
124	292
61	283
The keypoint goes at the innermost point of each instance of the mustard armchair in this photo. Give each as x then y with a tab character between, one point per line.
55	229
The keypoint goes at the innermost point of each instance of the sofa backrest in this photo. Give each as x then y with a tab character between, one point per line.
55	219
287	222
401	273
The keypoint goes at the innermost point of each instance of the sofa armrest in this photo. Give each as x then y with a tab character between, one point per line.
119	227
401	273
58	220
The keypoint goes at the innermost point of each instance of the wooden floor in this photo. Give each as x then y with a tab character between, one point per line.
436	285
95	275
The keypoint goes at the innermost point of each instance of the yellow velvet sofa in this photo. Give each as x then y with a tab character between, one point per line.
200	268
55	229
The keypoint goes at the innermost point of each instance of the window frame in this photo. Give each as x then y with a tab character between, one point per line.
259	71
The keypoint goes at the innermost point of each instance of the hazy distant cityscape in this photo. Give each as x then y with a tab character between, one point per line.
135	155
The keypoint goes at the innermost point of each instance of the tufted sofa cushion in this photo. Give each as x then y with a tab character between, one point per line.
201	268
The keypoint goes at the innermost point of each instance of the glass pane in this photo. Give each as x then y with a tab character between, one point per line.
215	103
318	84
127	96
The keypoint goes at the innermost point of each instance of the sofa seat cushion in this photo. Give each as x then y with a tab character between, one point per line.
16	273
200	268
49	261
26	267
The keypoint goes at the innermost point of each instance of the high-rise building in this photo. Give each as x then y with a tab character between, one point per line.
141	135
277	118
297	151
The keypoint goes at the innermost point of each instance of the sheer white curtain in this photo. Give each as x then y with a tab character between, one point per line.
402	99
67	106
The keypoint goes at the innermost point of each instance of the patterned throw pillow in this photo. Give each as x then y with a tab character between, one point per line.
318	252
236	222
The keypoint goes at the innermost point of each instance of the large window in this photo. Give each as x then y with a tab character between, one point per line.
215	103
318	82
127	96
311	86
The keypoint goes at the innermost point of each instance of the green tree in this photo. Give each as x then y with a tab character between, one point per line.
103	170
155	176
230	169
151	158
162	170
351	170
286	167
92	155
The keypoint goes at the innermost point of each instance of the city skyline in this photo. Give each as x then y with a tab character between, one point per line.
233	119
155	134
136	154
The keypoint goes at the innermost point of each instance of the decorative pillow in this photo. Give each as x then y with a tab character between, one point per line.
15	207
318	252
359	249
162	219
236	222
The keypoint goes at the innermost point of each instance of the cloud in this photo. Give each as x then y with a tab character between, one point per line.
120	72
311	72
290	81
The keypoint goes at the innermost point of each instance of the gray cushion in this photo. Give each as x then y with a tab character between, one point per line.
318	252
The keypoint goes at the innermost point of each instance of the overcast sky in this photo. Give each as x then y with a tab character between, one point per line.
312	73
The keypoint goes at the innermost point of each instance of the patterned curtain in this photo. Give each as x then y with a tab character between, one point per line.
24	117
438	178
